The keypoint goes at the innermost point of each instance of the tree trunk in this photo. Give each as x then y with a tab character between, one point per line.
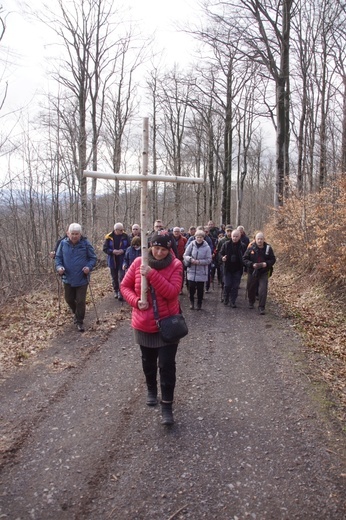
343	145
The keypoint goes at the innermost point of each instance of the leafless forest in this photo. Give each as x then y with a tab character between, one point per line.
260	115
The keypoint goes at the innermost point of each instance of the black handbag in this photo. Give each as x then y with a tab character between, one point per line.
172	328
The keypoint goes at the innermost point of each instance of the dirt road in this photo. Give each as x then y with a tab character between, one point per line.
251	439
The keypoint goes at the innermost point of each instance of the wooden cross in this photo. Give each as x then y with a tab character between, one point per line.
144	179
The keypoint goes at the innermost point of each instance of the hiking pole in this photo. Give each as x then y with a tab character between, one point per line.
92	299
58	279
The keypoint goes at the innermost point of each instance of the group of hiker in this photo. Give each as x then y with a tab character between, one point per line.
174	258
206	252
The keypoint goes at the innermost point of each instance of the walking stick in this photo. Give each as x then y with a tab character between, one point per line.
58	279
92	299
59	296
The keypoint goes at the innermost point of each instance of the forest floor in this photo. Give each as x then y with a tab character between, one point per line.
259	409
31	321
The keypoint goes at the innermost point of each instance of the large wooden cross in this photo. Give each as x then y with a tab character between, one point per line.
144	178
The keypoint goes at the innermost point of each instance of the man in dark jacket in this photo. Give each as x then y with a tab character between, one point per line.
259	259
243	236
231	253
74	260
218	260
114	246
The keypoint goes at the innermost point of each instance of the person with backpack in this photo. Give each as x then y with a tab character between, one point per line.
218	260
231	254
74	260
114	246
259	259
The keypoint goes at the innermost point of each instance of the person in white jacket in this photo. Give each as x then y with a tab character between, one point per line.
197	258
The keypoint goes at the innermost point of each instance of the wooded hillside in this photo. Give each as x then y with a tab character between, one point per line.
259	115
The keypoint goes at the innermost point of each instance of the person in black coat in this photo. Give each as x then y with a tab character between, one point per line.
259	259
114	246
243	236
231	253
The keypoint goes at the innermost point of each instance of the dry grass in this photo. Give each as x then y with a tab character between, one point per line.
319	316
30	322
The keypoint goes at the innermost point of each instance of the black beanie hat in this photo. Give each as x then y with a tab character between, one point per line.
161	240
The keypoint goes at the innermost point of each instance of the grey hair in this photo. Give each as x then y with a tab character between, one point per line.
75	227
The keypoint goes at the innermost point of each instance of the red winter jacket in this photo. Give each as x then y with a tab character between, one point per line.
167	285
181	246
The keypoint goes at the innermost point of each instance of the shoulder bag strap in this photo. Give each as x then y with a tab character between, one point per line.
155	307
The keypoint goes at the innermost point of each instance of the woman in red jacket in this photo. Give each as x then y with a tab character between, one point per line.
164	274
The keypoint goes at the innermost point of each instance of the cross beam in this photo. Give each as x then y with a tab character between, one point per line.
144	179
139	177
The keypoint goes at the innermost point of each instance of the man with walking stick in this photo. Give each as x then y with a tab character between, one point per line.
74	260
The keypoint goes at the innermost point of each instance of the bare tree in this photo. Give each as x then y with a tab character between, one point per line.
85	31
172	98
120	105
316	101
339	51
226	70
153	83
262	30
246	129
303	44
2	32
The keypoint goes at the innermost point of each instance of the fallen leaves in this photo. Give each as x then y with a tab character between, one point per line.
29	323
319	316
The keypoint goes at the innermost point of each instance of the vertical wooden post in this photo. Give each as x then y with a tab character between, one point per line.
144	205
144	178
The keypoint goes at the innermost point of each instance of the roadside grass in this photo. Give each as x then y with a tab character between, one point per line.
317	312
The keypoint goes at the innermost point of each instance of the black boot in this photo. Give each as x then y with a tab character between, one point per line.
167	413
150	372
199	306
151	397
192	305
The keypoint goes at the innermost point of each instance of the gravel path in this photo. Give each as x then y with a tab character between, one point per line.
252	438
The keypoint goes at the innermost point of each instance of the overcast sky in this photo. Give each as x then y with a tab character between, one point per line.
27	41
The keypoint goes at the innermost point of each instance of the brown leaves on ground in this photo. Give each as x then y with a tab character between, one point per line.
308	236
319	316
30	322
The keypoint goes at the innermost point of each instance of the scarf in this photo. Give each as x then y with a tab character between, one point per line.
159	264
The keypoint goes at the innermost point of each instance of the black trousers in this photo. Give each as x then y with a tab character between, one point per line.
199	286
117	275
75	298
232	282
164	359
